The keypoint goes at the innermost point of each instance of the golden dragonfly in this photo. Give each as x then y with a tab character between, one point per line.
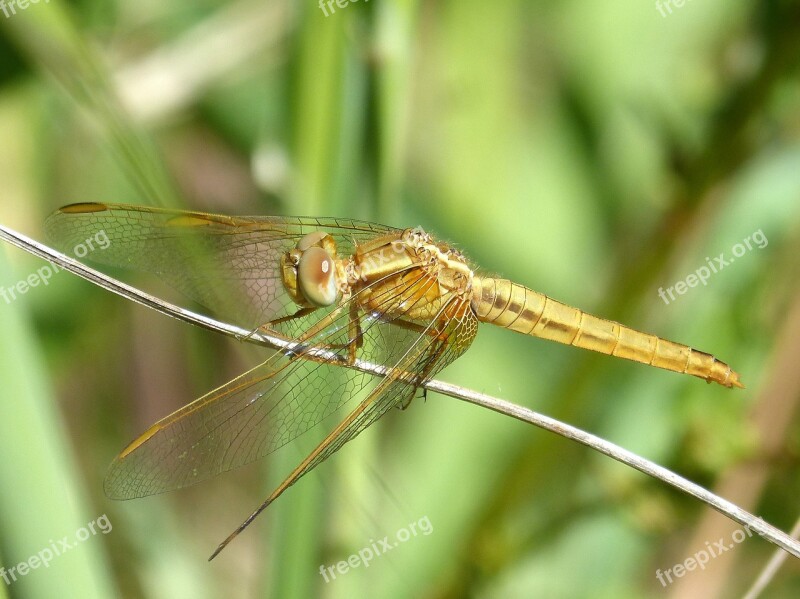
334	287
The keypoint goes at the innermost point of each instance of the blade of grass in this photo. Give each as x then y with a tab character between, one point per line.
42	498
53	42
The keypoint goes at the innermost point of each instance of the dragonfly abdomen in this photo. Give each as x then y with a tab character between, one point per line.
512	306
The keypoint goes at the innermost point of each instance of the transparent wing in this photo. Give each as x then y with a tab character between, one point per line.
275	402
230	265
445	338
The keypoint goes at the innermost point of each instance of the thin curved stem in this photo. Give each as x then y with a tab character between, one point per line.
732	511
770	570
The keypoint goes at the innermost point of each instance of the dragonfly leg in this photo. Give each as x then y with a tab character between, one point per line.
299	314
354	334
403	406
323	323
433	332
421	392
413	326
267	326
355	339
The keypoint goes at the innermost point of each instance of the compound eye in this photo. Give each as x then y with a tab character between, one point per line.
316	277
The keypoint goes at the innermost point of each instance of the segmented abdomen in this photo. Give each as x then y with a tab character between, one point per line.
507	304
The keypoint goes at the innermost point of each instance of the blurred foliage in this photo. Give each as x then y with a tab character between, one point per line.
593	151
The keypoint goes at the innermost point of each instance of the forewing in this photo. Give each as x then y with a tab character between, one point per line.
277	401
230	265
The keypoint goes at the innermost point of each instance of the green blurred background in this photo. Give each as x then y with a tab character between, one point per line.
594	151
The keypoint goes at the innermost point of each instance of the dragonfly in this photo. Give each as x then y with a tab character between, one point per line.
338	291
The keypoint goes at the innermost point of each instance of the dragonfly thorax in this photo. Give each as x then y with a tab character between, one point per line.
411	262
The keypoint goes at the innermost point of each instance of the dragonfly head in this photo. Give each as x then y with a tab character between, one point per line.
309	271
